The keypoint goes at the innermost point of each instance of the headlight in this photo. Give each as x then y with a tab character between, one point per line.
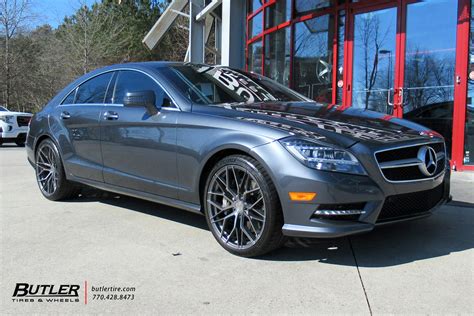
323	157
7	118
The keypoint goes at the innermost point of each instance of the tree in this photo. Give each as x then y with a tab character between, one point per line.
13	15
94	37
40	62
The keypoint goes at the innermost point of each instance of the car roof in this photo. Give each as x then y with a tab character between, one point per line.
150	65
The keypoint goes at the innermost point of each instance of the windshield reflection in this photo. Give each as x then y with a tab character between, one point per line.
209	85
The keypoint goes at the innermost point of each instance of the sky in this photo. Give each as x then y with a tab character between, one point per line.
52	12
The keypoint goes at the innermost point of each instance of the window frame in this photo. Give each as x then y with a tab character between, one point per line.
67	96
76	88
113	80
333	9
117	76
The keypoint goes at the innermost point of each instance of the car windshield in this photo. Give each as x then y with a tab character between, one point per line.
2	109
208	85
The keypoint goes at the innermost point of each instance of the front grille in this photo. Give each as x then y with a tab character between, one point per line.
410	204
23	120
408	172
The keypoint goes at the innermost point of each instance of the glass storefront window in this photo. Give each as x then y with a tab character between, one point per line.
277	55
469	127
256	25
278	13
254	5
254	61
309	5
312	64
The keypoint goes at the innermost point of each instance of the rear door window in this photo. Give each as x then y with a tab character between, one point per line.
94	90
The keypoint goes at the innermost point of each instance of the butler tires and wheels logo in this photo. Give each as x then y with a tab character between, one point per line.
46	293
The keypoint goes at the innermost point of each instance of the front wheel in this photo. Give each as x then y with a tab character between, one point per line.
50	173
242	207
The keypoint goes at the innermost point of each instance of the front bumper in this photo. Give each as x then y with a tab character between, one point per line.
379	201
12	132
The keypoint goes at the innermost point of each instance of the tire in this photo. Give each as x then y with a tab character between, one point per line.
246	219
52	181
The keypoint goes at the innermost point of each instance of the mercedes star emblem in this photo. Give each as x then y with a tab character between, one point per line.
429	161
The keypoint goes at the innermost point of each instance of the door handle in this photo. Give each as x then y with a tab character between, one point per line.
389	92
111	116
65	115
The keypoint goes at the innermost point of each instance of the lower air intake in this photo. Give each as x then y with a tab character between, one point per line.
410	204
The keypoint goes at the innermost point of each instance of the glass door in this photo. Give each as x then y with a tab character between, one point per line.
429	63
402	61
374	56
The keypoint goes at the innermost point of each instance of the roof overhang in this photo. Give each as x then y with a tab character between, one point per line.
165	21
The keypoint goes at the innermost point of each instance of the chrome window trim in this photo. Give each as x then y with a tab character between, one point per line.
176	106
438	154
77	86
114	105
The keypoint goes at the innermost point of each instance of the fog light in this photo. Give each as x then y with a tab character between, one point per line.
338	212
302	196
343	212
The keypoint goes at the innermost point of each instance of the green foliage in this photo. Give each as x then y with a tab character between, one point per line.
45	60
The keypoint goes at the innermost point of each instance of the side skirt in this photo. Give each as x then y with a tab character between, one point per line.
190	207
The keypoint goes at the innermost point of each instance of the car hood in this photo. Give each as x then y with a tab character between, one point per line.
334	125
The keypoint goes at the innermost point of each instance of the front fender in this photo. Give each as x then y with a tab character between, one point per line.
199	139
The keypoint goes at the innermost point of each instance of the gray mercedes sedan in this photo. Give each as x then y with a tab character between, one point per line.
259	160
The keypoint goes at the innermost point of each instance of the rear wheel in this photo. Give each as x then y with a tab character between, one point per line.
50	174
242	207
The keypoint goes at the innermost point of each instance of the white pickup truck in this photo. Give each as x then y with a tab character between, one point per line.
13	126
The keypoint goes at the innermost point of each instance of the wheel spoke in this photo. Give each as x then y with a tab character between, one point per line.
233	229
248	235
257	212
223	218
236	181
45	178
241	231
251	224
235	206
251	191
222	185
256	202
221	208
44	165
46	170
243	181
257	219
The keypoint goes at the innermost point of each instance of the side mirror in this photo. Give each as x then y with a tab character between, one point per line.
146	99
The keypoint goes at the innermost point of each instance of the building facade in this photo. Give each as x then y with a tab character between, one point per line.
405	58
